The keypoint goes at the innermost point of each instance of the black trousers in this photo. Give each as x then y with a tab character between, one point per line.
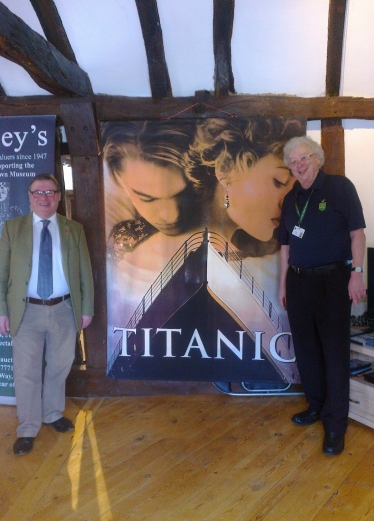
319	312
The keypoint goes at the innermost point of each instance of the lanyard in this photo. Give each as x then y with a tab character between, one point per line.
303	211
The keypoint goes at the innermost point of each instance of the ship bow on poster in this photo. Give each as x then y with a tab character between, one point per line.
205	318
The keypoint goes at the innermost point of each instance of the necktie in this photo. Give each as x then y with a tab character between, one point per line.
45	280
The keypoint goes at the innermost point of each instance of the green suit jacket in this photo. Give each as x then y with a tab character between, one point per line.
15	267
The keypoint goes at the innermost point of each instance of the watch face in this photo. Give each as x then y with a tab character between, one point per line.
358	270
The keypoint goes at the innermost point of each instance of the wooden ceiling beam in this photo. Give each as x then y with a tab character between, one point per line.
54	31
223	19
117	108
154	46
112	108
30	105
45	64
337	11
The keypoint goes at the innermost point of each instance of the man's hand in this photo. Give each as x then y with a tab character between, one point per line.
356	287
284	256
282	296
86	321
4	325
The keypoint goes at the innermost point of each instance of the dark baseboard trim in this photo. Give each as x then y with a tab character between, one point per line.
85	382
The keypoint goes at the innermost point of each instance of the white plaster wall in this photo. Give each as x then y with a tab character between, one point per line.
358	74
290	37
277	46
359	165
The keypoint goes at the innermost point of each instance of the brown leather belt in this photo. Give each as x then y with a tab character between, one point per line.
50	302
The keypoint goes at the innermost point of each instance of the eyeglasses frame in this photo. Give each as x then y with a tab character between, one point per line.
303	159
43	192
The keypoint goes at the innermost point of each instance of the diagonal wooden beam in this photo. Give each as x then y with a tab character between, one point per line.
337	12
45	64
223	19
54	31
154	46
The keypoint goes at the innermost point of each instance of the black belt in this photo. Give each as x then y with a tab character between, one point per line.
50	302
320	270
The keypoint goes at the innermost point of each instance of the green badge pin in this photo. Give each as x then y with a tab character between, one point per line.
322	206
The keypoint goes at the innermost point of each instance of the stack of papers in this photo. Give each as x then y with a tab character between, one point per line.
363	338
357	367
369	341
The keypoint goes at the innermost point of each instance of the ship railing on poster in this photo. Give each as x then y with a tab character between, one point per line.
230	256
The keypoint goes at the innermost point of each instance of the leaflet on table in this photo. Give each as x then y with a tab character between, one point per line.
363	339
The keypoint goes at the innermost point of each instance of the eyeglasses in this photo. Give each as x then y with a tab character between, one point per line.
40	193
303	159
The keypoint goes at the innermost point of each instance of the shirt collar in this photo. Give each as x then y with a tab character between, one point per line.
37	219
317	183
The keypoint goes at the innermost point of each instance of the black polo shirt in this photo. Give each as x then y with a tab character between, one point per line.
333	211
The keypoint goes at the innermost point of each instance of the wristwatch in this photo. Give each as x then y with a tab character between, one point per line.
357	269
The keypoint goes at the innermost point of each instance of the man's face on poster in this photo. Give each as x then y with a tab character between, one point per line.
4	191
158	193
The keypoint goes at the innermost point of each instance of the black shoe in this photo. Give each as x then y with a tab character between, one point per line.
305	418
333	444
61	425
23	446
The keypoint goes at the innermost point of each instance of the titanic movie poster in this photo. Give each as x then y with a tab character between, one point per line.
192	209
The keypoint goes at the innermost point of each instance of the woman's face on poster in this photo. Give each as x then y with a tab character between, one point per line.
159	194
256	196
4	190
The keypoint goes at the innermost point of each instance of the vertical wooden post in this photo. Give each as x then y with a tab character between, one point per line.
83	140
332	141
59	173
223	20
337	12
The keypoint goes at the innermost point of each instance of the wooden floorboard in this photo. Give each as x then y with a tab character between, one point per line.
191	458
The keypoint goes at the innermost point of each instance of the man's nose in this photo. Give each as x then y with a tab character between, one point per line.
169	211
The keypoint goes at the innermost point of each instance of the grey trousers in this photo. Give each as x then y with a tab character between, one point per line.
42	401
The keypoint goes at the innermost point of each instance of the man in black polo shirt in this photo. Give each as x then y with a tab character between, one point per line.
322	251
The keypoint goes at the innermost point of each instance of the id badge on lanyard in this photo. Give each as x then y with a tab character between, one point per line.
298	231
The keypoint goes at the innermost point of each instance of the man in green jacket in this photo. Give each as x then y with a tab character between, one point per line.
46	297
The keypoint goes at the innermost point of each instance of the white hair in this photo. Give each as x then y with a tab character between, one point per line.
303	141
